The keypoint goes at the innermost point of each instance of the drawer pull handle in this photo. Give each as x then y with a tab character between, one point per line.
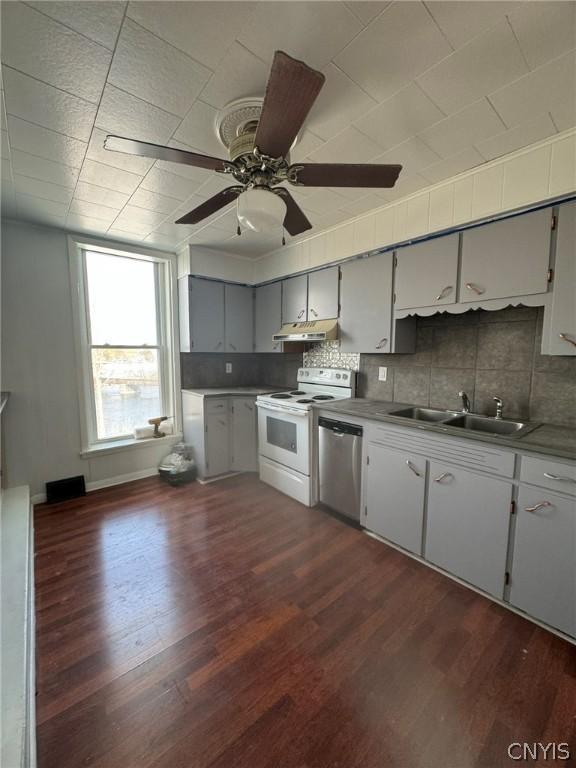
565	337
550	476
232	345
382	343
443	293
443	476
314	312
540	505
413	468
476	288
301	314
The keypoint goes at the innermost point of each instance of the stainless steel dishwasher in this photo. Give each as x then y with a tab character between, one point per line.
340	466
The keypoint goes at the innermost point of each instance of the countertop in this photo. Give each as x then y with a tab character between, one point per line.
223	391
545	439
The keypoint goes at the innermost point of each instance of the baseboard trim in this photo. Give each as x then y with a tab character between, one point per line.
40	498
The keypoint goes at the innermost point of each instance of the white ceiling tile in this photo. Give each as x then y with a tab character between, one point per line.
94	211
36	206
176	231
152	201
100	195
400	117
400	44
406	185
199	175
474	123
363	204
126	115
545	89
463	161
106	176
96	151
226	220
5	146
98	21
349	193
43	142
339	103
44	189
240	74
350	146
169	184
197	130
544	30
131	215
160	240
515	138
131	226
412	155
307	143
366	10
312	31
213	183
485	64
46	170
147	67
251	245
333	218
47	106
123	235
323	200
210	236
6	170
204	30
78	221
40	47
564	114
461	21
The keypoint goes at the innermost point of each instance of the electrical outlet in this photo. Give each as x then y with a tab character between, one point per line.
228	367
382	373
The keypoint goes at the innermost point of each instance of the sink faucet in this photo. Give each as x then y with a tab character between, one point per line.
499	406
465	402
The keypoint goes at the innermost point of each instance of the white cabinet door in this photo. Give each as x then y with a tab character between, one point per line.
239	318
217	444
243	433
395	486
506	258
268	317
427	273
323	294
294	299
366	304
206	308
559	337
467	525
543	579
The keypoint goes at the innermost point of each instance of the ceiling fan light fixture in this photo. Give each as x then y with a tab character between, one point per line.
260	210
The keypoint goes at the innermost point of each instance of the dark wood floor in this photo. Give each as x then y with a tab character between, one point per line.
228	626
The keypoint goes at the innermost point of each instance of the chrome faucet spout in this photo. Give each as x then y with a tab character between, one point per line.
499	406
465	402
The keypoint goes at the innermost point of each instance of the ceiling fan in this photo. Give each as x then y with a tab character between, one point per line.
259	157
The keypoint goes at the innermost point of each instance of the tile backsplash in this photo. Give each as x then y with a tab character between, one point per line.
209	369
326	354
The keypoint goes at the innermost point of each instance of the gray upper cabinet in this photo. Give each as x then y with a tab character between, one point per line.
294	299
239	318
427	273
506	258
201	315
268	317
323	294
559	333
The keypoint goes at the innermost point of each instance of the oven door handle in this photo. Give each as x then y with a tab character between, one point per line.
285	409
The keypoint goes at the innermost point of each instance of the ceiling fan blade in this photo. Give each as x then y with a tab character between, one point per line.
210	206
159	152
343	175
295	222
291	91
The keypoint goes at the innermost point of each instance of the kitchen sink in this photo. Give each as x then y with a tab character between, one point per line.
422	414
488	424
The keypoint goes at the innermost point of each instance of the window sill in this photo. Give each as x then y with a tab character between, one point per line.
117	446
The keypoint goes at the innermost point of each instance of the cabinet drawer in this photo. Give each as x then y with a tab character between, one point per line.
216	406
549	474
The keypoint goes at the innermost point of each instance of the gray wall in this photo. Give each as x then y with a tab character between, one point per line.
208	369
485	354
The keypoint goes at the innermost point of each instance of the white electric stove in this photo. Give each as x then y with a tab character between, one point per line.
285	435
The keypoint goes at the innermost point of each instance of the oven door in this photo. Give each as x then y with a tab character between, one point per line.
284	436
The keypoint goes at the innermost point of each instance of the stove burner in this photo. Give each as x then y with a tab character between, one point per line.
297	392
304	400
281	396
323	397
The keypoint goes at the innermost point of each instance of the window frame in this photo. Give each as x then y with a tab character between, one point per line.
167	341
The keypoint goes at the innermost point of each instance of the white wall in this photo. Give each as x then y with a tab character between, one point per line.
41	422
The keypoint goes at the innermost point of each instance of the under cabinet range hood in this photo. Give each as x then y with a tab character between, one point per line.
311	330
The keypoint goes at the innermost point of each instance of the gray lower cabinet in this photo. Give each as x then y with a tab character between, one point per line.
323	294
267	317
294	299
394	496
201	304
239	318
217	443
468	518
543	578
243	435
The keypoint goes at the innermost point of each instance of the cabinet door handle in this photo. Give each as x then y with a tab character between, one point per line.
443	476
232	345
382	343
300	314
444	292
476	288
218	345
247	405
565	337
550	476
538	506
413	468
314	312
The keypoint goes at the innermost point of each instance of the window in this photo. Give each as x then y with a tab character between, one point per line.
125	336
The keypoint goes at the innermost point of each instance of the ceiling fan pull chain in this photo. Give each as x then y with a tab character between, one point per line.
238	230
283	237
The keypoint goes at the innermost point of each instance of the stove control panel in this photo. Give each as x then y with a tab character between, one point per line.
329	376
